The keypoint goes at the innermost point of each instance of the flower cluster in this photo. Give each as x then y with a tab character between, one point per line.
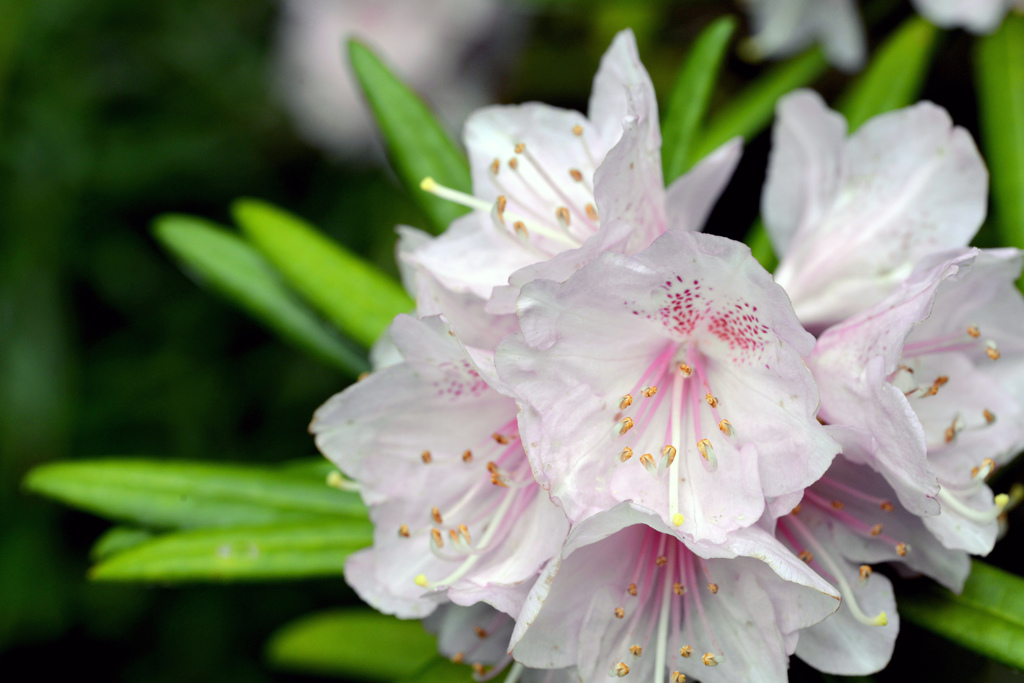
609	444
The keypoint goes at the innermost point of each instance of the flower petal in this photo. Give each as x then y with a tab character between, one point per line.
690	198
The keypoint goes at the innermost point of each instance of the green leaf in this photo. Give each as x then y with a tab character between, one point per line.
169	494
279	552
417	143
691	95
353	643
116	539
350	292
896	73
231	267
761	246
750	111
999	64
988	617
443	671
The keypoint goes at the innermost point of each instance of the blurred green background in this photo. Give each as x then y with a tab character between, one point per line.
112	112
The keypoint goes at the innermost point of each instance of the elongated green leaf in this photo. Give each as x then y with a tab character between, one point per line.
353	643
350	292
896	73
169	494
999	62
233	268
761	246
691	95
280	552
988	617
116	539
442	671
417	143
751	110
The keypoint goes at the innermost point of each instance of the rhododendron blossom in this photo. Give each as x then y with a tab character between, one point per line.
553	188
977	16
931	380
673	379
436	451
628	599
850	217
782	28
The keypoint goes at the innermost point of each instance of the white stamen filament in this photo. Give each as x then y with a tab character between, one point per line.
430	185
514	673
676	436
970	513
821	555
661	644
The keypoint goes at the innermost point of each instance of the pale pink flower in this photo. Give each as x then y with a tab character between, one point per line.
977	16
847	521
930	379
851	216
553	188
784	27
638	368
628	598
437	454
426	43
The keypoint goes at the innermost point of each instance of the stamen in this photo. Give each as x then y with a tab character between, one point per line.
426	457
955	428
436	515
989	416
503	439
685	369
458	658
991	350
678	677
901	549
635	650
661	560
577	130
988	465
467	456
624	426
974	331
632	589
520	229
619	670
480	633
495	166
713	587
513	163
626	402
796	510
675	433
685	651
668	456
712	401
619	612
707	452
711	659
648	462
678	588
626	454
865	572
403	531
591	212
726	428
949	499
838	504
479	669
661	644
575	175
886	506
806	555
520	148
436	539
876	530
649	391
464	532
562	215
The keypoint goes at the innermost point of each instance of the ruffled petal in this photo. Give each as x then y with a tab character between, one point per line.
690	198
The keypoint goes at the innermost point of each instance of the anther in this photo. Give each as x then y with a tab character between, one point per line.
626	454
453	536
591	212
635	650
575	175
708	453
648	462
712	401
661	560
678	588
991	350
403	531
492	467
713	587
865	572
974	331
678	677
520	229
520	148
726	428
710	659
467	456
649	391
796	510
901	549
668	456
577	130
625	426
500	203
619	612
499	480
458	658
626	401
495	166
426	457
838	504
886	506
876	530
362	376
478	669
513	163
464	532
436	538
436	514
990	417
685	369
632	589
620	670
501	438
806	555
562	214
685	651
480	633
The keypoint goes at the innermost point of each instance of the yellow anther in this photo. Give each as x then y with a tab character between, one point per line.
807	556
626	401
685	651
678	588
562	214
436	515
591	212
685	369
577	130
649	391
625	425
712	401
713	587
426	457
467	456
865	572
403	531
619	612
495	166
626	454
575	175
